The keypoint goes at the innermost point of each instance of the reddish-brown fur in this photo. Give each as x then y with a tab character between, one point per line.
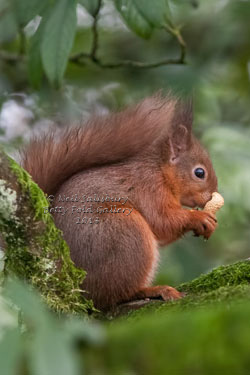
146	153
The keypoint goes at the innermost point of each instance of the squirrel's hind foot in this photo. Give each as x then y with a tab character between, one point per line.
165	292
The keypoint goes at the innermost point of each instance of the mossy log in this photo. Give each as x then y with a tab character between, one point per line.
207	332
33	247
225	283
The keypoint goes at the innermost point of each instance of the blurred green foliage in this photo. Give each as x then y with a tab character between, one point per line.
33	341
191	342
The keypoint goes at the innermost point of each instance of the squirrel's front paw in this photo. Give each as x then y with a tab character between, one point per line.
202	223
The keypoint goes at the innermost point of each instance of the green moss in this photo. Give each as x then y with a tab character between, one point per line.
226	284
195	341
224	295
232	275
35	250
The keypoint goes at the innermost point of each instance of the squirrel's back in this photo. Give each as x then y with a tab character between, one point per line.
53	158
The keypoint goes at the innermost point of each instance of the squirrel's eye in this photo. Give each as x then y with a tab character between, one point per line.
199	172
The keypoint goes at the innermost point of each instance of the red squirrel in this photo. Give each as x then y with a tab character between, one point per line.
122	184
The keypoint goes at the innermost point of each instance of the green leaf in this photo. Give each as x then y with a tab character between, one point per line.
10	351
26	10
26	299
58	37
8	24
52	352
90	5
134	18
156	13
35	67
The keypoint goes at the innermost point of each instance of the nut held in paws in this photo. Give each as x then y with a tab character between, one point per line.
215	203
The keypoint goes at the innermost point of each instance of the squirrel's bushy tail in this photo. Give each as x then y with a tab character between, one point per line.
53	158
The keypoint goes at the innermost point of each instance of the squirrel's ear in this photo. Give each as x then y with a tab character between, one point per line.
179	142
181	129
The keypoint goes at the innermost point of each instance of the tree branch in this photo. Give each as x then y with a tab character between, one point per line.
94	47
139	64
81	58
177	34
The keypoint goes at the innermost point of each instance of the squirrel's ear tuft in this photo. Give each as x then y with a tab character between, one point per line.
183	114
179	142
180	138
